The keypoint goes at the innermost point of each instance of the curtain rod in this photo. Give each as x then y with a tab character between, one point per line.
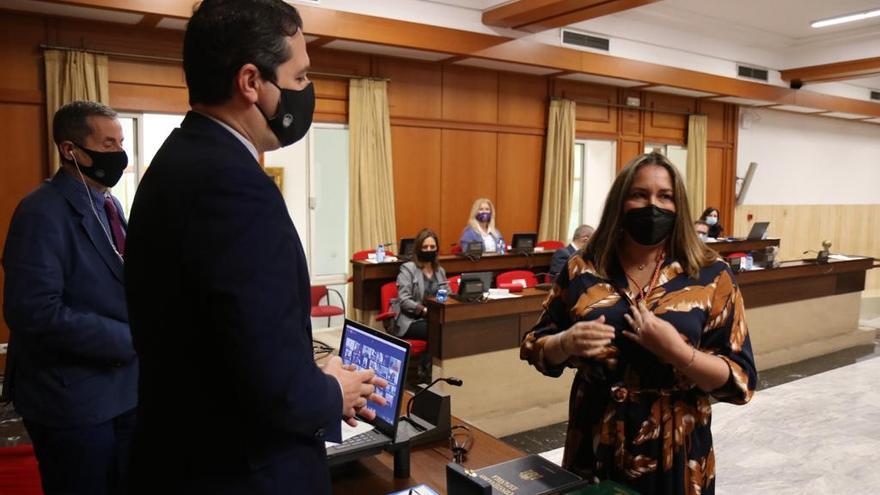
646	109
135	56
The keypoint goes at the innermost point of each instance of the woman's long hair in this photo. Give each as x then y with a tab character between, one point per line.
417	247
472	221
683	245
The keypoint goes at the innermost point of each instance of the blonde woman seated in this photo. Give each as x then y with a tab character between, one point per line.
416	281
481	227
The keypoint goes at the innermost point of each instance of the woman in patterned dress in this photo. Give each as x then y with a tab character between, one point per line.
653	321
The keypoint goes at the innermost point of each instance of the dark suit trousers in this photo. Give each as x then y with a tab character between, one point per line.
87	460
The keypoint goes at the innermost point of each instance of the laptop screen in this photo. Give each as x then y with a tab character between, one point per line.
370	349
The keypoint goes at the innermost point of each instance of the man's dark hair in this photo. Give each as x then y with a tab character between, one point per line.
223	35
71	122
701	222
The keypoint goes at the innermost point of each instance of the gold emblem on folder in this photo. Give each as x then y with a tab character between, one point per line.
530	475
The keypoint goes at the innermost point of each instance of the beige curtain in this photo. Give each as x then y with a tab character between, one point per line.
371	174
696	164
71	76
558	164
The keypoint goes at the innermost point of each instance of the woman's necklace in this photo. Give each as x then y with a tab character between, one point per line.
644	290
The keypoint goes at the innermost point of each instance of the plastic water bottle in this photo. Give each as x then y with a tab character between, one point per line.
442	295
748	262
500	246
380	253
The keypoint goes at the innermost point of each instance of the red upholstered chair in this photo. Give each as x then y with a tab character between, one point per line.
454	282
506	280
418	348
550	245
321	292
456	249
18	471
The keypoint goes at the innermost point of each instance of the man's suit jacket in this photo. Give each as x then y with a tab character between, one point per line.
71	361
231	400
560	258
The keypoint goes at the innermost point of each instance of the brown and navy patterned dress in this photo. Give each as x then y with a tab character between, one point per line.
632	418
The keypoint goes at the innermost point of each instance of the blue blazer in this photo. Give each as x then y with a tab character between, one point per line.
231	400
71	361
560	259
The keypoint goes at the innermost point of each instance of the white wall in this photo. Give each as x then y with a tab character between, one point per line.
809	160
295	161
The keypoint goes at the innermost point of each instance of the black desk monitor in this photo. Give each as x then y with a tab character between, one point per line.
758	231
484	277
407	248
524	243
473	248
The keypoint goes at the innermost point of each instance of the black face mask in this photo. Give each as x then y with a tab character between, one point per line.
294	115
649	225
107	166
427	256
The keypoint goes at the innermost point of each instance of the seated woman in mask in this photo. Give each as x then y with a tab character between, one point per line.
417	280
481	227
711	217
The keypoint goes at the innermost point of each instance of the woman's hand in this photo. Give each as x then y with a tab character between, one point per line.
657	336
586	338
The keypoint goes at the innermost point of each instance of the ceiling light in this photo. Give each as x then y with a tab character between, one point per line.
846	18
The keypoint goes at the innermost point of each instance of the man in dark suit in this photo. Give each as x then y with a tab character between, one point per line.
71	371
560	257
231	400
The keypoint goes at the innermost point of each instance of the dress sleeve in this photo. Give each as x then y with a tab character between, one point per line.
554	319
726	335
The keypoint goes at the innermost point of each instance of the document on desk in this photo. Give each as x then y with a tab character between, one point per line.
843	257
502	296
350	431
422	489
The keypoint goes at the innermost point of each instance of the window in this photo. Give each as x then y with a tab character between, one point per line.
144	134
328	202
677	154
594	171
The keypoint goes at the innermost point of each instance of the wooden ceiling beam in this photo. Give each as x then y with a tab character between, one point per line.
326	23
837	71
540	15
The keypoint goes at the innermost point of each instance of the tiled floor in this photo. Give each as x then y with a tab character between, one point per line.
552	437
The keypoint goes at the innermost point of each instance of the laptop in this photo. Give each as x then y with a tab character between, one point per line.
759	230
365	347
472	286
524	243
407	248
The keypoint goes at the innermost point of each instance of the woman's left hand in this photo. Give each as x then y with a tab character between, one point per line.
656	335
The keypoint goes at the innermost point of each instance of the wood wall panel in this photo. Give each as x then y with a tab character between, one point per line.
468	172
20	56
146	98
415	90
717	129
667	127
627	150
852	229
715	158
140	72
23	141
416	154
339	62
520	183
105	36
522	101
591	119
470	95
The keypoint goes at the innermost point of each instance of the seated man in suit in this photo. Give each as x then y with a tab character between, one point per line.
71	371
231	400
560	257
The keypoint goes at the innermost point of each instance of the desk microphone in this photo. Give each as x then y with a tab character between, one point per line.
409	405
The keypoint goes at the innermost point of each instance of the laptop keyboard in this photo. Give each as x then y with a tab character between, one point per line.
363	438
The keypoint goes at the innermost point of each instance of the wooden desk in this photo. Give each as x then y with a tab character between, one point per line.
458	329
802	279
369	277
375	475
726	247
